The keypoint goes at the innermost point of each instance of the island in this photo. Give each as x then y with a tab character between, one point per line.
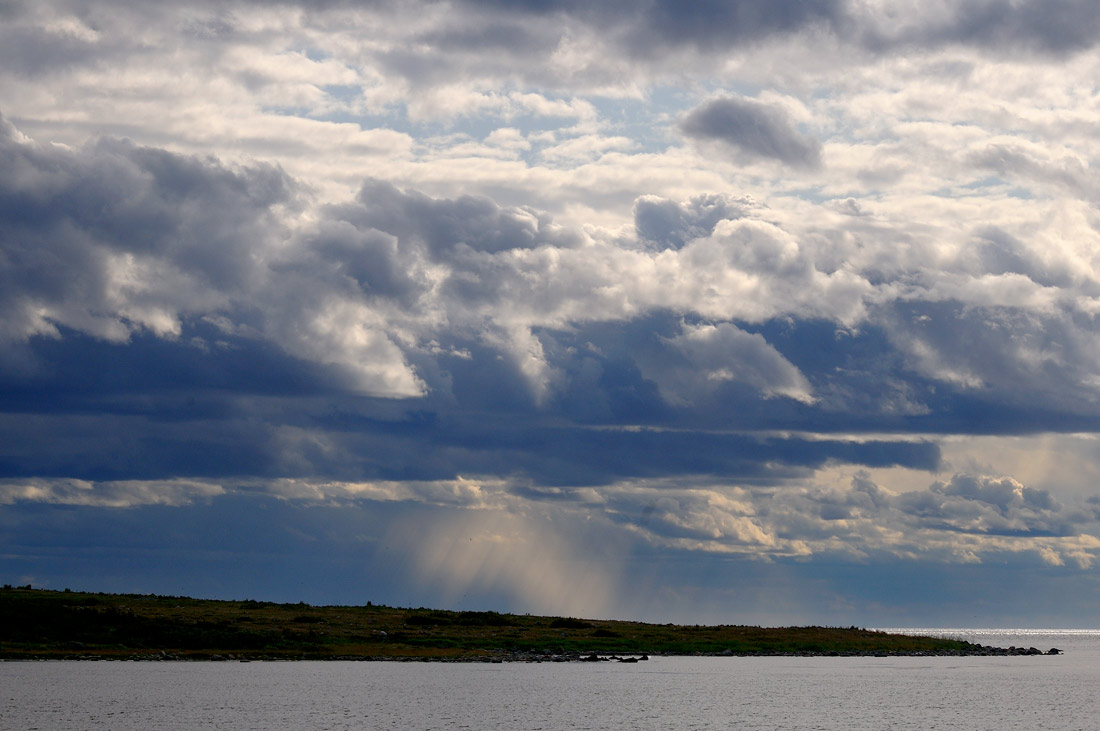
39	624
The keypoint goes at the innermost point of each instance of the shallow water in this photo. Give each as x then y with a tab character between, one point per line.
1043	692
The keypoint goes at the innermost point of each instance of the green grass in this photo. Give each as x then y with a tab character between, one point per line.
36	623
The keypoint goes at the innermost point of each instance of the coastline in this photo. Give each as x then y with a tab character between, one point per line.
978	651
37	624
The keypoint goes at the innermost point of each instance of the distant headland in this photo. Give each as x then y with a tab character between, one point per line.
45	624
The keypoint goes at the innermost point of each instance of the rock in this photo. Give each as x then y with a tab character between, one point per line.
1054	651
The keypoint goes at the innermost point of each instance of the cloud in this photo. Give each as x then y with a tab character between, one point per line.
689	312
448	227
712	24
113	494
752	128
671	224
969	518
499	529
116	238
465	306
991	505
1011	353
1003	26
664	22
716	354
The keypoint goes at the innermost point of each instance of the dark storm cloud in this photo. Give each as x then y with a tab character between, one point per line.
594	457
753	128
203	405
199	408
156	409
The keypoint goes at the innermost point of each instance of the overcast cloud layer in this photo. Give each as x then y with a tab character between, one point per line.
774	312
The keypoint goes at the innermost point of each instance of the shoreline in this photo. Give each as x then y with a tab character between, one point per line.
37	624
629	658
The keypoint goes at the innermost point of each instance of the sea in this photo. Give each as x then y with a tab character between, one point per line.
1001	692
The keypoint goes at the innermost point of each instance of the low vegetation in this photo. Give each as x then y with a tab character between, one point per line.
36	623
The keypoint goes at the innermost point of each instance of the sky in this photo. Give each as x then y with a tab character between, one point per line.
734	312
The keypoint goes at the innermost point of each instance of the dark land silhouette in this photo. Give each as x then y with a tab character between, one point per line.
44	624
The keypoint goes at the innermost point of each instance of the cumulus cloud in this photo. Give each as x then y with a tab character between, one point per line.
448	227
985	504
671	224
115	238
752	128
711	316
717	354
378	287
969	518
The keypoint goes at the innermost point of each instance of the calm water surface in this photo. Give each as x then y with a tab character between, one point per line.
1047	692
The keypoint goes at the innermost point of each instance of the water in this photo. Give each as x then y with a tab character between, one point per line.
1044	692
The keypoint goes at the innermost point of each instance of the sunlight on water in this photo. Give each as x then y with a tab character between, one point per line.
1079	640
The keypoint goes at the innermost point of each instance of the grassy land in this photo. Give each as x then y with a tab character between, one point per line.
35	623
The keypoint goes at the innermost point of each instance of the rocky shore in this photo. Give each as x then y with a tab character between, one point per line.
523	657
